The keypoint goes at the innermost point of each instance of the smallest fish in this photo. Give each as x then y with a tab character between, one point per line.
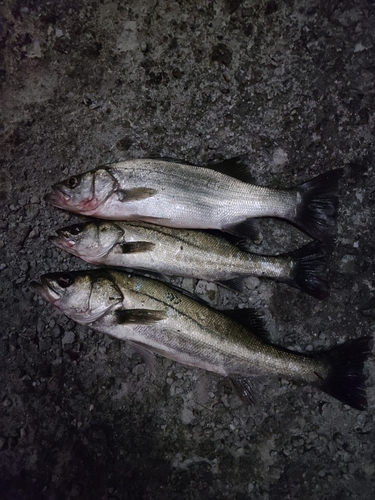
191	253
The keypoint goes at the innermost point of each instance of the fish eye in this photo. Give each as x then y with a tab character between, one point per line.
65	281
76	229
72	182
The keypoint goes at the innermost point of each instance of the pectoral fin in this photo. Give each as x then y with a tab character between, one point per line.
139	316
135	194
136	246
146	354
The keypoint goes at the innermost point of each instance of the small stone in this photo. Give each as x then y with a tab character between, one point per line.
3	443
297	441
45	344
7	402
34	233
59	33
221	53
24	266
280	157
252	283
138	370
40	325
68	338
144	46
57	331
34	199
359	47
352	467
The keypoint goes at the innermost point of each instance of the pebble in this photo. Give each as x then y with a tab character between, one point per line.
57	331
138	370
3	442
252	283
34	233
24	266
40	325
68	338
297	441
45	344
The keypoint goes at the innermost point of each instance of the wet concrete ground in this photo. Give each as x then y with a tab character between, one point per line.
290	85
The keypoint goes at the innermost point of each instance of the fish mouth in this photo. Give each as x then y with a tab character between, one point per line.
45	289
57	198
61	240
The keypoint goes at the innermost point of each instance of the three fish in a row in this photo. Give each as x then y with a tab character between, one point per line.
163	201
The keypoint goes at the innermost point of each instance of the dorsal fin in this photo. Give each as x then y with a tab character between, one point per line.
234	167
250	319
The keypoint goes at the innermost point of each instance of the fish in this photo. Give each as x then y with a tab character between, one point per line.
190	253
155	318
174	193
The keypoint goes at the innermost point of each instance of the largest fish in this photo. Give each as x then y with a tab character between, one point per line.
155	318
177	194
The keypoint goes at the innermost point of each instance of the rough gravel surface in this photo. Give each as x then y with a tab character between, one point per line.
291	85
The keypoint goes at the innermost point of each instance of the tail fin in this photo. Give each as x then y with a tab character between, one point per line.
309	271
317	209
346	381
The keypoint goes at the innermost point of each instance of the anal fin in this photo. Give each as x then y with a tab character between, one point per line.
245	229
235	284
249	388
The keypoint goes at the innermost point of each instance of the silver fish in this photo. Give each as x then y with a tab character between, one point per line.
177	194
190	253
156	319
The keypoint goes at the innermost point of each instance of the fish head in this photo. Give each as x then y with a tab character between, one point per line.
83	193
84	296
90	240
